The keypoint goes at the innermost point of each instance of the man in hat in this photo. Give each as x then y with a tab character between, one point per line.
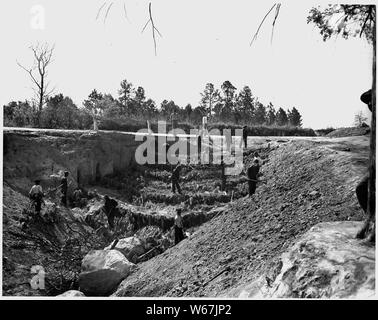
36	196
257	157
252	174
78	197
362	187
111	210
175	178
179	227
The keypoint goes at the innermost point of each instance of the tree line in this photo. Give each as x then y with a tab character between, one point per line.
220	106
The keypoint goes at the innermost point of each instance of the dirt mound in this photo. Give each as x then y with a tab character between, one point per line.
348	132
307	182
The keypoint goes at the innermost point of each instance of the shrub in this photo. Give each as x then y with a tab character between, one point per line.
265	130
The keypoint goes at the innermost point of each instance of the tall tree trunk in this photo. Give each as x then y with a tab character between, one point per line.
371	201
368	230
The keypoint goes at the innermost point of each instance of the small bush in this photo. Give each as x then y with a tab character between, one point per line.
324	132
266	130
131	125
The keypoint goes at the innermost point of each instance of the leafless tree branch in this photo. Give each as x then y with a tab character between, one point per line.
125	11
278	7
145	26
99	10
152	27
258	29
30	72
107	11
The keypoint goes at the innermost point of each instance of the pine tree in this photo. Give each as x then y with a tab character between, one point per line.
228	100
210	97
271	115
260	114
94	106
295	118
244	105
281	117
126	97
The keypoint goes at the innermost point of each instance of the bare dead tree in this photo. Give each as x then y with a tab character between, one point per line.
151	20
42	55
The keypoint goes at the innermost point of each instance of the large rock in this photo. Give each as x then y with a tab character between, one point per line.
131	248
326	262
102	271
72	293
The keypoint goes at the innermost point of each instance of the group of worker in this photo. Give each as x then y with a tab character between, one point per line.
37	195
253	173
110	207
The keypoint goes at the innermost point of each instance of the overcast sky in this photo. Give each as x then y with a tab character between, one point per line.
203	41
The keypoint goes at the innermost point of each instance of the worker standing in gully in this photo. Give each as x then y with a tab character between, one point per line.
36	196
252	174
175	179
179	227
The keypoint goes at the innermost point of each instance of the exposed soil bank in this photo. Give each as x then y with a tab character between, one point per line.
307	182
87	156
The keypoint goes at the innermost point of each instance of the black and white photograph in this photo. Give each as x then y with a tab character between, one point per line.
174	150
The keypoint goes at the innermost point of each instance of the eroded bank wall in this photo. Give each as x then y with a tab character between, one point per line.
87	156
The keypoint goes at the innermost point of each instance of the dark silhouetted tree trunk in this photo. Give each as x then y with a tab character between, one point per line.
368	230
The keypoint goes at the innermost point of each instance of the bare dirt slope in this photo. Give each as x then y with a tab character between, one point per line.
57	241
308	181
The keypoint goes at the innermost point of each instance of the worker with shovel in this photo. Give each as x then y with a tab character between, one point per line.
252	174
111	210
36	196
175	178
36	200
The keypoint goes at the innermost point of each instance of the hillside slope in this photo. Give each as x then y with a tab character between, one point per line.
57	242
308	181
325	262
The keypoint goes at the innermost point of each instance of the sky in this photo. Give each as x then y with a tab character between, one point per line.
202	41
